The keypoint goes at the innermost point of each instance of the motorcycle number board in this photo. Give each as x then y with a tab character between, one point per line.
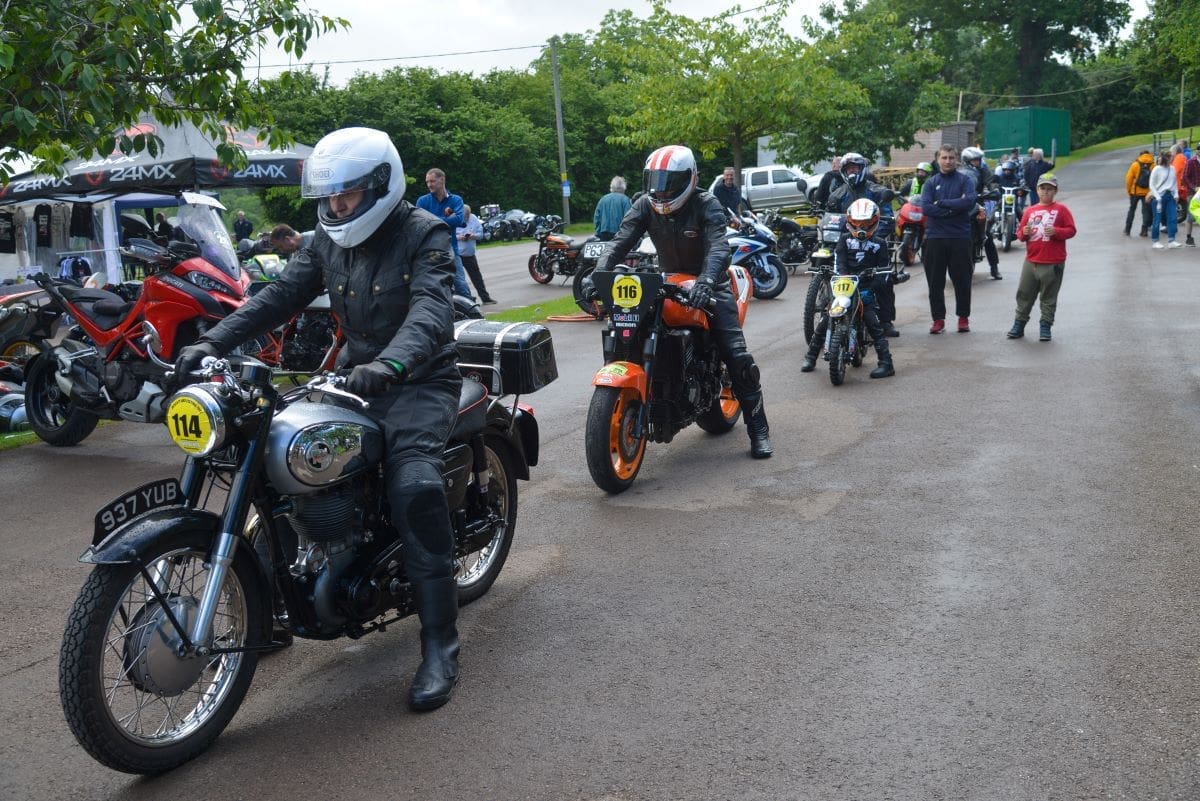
594	250
188	423
156	494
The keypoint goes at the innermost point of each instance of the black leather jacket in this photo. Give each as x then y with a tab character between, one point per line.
392	293
692	240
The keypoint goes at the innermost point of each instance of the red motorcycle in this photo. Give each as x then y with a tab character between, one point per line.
910	230
112	363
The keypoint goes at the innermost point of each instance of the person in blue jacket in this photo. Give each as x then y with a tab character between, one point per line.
948	200
447	207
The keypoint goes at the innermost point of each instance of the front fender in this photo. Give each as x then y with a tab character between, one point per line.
622	375
178	526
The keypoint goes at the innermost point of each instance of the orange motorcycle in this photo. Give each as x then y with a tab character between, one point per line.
662	370
557	254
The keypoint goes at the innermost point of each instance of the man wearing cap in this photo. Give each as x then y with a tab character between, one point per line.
1045	228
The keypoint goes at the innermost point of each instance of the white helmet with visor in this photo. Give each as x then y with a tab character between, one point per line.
354	160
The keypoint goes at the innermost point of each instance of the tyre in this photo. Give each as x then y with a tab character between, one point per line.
908	248
587	306
52	415
856	358
541	268
131	703
477	571
723	415
614	456
18	351
816	305
1007	239
770	279
837	352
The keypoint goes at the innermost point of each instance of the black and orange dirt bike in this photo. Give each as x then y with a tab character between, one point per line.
662	371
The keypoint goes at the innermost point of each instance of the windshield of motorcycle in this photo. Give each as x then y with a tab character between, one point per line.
202	226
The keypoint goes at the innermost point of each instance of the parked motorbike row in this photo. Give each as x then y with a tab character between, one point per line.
506	226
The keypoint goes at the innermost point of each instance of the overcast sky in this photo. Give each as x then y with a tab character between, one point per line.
409	33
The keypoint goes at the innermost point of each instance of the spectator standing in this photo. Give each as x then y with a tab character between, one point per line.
467	236
611	210
287	241
242	227
164	229
1164	195
730	194
1045	228
1036	167
1137	186
1179	161
1191	178
447	207
948	200
830	181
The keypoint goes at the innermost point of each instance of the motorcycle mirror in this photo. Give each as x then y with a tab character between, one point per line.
802	186
887	195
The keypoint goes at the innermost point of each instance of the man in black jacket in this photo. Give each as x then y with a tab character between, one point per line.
985	190
730	194
829	182
388	268
687	227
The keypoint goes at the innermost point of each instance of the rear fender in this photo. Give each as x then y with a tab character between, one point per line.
520	431
622	375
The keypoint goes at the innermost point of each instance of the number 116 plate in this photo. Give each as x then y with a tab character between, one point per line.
156	494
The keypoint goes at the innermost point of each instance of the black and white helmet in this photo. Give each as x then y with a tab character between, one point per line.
354	160
669	178
854	177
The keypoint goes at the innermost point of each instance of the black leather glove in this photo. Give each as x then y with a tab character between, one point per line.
701	294
191	356
371	379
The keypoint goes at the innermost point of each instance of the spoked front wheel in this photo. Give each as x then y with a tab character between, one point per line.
614	454
838	342
816	304
132	702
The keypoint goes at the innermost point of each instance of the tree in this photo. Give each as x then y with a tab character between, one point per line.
1033	31
898	75
711	85
75	74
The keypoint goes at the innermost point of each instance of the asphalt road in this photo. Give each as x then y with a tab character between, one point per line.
974	580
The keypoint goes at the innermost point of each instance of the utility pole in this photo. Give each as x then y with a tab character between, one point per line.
1181	74
562	146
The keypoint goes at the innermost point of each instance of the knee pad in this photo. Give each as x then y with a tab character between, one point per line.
744	372
419	508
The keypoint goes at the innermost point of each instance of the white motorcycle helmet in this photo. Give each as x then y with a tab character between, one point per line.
862	218
969	154
354	160
669	178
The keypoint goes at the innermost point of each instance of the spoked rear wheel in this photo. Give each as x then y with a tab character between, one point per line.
614	455
18	351
130	700
476	572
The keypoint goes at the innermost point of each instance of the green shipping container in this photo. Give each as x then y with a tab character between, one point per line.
1026	127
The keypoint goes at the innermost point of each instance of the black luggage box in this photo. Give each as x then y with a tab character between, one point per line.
513	358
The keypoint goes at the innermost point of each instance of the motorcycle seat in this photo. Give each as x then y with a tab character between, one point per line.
472	411
106	309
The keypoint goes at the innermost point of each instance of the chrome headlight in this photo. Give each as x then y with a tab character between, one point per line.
196	420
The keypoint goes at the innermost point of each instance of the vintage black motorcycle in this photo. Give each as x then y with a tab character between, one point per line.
279	519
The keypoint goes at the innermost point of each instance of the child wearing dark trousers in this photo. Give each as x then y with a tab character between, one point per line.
1045	229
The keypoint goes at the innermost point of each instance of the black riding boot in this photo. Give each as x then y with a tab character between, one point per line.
885	367
756	425
437	606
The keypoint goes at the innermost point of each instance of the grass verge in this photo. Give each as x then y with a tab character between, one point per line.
537	312
16	439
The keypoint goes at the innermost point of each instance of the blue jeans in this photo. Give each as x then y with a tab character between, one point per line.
1164	208
460	278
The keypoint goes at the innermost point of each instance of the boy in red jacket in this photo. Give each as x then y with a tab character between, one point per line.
1045	228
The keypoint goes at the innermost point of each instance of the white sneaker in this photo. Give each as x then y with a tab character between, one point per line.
1174	244
1158	246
